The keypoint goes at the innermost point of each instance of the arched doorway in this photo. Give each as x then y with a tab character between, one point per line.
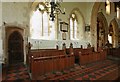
15	48
101	30
113	33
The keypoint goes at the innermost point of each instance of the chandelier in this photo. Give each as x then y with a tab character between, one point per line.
54	8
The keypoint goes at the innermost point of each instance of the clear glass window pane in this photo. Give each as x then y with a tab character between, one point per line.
45	24
40	25
75	29
36	25
71	28
52	29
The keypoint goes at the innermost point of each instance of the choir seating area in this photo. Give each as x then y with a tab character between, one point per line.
47	61
57	40
57	64
54	64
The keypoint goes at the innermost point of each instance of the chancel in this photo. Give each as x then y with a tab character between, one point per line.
59	40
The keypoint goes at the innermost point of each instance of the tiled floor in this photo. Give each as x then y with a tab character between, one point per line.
17	72
93	71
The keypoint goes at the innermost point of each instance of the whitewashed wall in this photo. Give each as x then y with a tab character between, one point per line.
85	9
44	44
15	12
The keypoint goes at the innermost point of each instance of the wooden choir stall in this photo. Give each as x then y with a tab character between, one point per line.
45	61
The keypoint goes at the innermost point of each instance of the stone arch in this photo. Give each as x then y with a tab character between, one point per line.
115	32
9	29
102	29
33	9
15	47
94	12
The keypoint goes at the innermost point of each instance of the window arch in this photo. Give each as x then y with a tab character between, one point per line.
73	27
40	25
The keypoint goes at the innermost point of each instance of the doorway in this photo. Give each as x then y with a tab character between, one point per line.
15	48
113	33
101	30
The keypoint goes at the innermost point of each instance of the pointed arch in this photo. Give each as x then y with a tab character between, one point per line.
15	47
94	12
102	26
93	26
115	28
80	22
40	25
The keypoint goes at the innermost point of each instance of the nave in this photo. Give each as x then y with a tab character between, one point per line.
46	65
59	40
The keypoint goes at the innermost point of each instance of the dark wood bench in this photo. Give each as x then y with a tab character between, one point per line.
50	61
115	52
86	57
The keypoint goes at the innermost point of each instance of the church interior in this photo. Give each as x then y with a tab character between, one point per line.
60	40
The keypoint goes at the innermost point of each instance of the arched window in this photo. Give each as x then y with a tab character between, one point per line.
118	12
73	27
40	25
107	7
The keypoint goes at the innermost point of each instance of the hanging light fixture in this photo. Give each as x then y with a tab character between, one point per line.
54	8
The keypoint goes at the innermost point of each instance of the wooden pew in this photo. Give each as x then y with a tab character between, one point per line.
41	53
36	51
51	62
77	50
115	52
86	57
